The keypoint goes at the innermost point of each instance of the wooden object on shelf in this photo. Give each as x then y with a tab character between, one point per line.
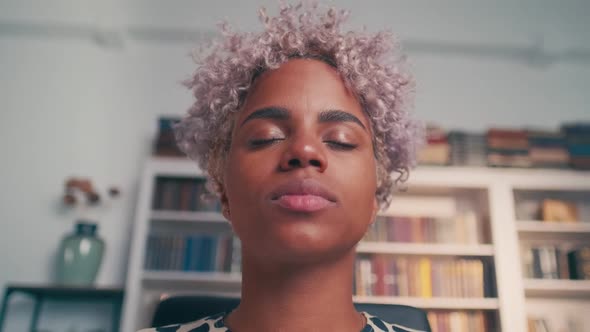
558	211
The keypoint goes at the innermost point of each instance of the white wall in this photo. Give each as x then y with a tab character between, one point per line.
72	106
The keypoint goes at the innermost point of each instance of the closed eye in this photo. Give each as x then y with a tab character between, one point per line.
258	143
336	145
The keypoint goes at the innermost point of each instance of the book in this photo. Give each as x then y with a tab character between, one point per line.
382	275
193	252
579	263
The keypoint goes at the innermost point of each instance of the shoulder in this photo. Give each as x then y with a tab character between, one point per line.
212	323
376	324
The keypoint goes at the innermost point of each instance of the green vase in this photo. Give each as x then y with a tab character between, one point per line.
80	256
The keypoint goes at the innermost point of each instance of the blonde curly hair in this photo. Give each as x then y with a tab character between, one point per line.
371	65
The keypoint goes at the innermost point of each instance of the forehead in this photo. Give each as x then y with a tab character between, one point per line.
303	86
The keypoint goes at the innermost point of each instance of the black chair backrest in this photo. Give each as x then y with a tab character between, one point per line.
187	308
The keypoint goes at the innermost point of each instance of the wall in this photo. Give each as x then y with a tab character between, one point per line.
88	105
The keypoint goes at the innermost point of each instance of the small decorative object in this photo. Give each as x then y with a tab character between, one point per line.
559	210
81	252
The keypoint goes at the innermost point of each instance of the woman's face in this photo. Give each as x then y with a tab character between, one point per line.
300	178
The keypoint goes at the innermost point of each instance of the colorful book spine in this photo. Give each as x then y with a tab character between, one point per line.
382	275
194	252
463	228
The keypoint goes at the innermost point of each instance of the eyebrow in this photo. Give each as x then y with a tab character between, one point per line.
339	116
277	113
280	113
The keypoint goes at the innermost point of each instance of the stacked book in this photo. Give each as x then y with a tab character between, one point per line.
437	149
467	149
196	252
578	144
381	275
508	148
547	149
165	141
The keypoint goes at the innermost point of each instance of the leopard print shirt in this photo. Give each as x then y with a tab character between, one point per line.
214	323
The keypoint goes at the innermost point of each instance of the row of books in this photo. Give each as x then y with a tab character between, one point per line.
461	321
381	275
567	147
552	262
461	229
183	194
196	252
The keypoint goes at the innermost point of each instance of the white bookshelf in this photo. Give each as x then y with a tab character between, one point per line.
494	187
548	288
186	216
554	300
225	284
429	249
539	230
192	277
443	303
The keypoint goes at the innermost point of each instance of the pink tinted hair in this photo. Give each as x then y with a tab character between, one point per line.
371	65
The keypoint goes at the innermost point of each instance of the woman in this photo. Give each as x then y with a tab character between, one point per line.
300	128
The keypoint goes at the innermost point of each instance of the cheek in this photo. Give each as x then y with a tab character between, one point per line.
243	175
361	177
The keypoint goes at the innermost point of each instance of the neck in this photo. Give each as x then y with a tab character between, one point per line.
311	297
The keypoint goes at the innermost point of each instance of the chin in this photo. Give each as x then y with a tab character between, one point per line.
306	245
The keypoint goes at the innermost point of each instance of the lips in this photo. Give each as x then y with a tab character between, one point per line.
303	195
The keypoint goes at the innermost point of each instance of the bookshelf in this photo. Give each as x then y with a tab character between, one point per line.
557	288
418	249
552	222
496	239
443	303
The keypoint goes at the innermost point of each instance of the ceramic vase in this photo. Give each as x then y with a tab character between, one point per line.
80	255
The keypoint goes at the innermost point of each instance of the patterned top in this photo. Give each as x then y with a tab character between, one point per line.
214	323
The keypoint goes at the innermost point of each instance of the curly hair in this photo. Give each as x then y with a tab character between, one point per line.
371	66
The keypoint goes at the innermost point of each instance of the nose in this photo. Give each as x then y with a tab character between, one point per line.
304	152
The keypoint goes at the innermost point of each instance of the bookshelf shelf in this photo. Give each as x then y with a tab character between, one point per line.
448	303
192	276
430	249
557	288
561	231
174	166
188	216
184	279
